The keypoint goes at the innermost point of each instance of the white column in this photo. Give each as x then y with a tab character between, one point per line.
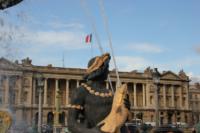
107	84
156	104
40	112
19	84
56	89
164	95
135	98
181	97
34	90
45	92
143	95
172	91
29	96
187	97
115	85
67	92
6	90
77	83
147	94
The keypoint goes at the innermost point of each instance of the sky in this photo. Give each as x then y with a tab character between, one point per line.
163	34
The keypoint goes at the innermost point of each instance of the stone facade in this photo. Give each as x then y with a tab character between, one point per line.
194	96
19	92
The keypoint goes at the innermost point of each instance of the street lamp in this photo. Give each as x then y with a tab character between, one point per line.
40	86
156	80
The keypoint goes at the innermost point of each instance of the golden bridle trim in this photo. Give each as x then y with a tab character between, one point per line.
79	107
93	92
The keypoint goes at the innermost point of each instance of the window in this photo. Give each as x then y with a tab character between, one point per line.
184	101
161	113
152	118
151	88
151	99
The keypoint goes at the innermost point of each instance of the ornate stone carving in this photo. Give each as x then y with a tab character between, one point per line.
170	75
182	75
148	71
26	62
26	82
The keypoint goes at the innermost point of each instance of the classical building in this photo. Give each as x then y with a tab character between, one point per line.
19	92
194	96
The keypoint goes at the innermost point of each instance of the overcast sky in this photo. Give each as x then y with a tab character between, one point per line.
157	33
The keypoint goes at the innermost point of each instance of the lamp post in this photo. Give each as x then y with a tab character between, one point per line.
40	85
156	80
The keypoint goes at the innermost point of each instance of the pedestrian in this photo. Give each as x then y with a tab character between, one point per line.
193	130
197	128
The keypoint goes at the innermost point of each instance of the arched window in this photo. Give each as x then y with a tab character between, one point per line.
50	118
62	118
36	118
151	99
151	118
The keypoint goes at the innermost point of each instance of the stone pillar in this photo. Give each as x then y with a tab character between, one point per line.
181	97
40	111
44	117
34	90
135	98
19	85
45	91
29	92
187	97
56	114
77	83
116	85
143	95
147	94
107	84
6	83
67	91
172	91
164	96
56	89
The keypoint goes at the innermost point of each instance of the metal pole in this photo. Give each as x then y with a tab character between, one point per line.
156	105
40	111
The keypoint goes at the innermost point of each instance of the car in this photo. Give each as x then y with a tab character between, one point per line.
136	121
167	129
65	130
129	128
47	128
182	124
153	124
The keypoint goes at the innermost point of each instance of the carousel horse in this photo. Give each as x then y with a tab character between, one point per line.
93	107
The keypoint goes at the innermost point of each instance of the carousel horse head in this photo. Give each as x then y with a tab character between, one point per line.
98	68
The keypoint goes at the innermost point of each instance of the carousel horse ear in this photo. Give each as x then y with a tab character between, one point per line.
97	62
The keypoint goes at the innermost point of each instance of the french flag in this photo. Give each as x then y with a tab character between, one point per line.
88	38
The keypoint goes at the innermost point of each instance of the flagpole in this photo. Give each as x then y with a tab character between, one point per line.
83	4
91	47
